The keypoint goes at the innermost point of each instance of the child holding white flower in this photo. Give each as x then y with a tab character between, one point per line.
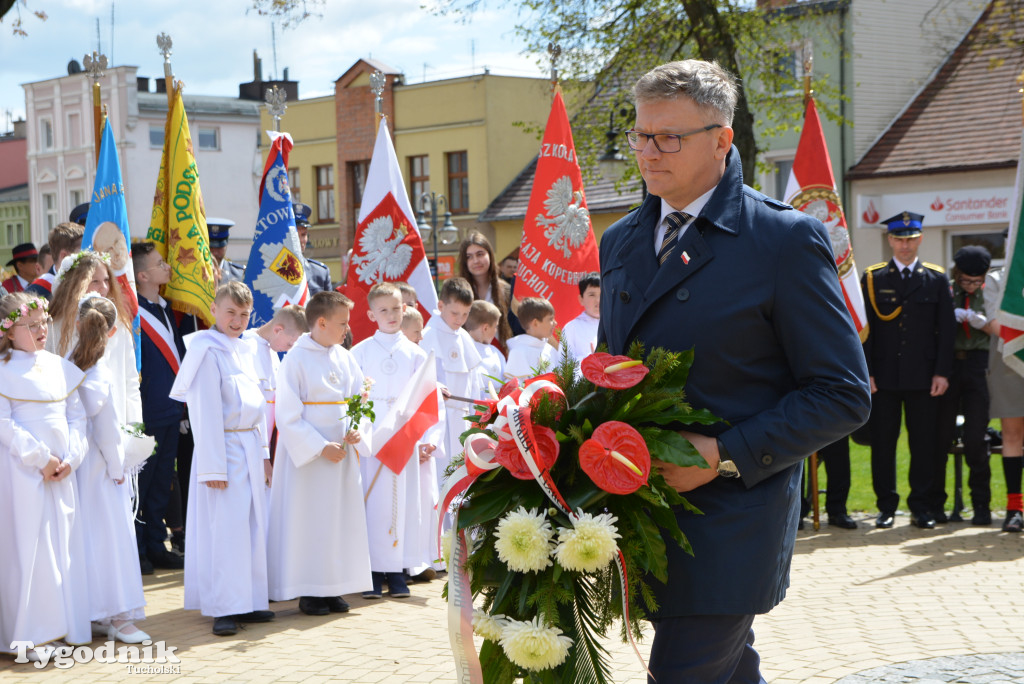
318	543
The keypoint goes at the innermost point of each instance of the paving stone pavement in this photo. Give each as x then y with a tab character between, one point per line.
991	668
860	600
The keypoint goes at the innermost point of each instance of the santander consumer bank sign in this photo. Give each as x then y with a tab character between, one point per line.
940	208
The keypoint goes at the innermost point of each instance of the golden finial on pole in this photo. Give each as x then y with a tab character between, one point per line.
1020	79
554	52
164	42
377	83
808	70
276	98
95	66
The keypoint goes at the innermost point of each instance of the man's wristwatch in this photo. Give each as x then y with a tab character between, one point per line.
726	468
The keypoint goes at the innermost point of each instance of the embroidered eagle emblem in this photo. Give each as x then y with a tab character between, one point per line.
568	221
384	256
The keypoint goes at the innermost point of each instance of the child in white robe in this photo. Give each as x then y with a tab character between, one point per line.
530	354
458	362
580	334
42	440
393	511
111	564
482	326
318	543
225	533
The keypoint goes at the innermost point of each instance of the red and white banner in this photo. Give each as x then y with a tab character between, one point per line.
387	244
413	413
812	190
558	246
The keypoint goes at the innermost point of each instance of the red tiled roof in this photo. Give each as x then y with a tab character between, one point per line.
968	117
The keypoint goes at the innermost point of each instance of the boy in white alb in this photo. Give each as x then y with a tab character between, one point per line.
458	362
530	354
482	326
580	334
225	531
318	545
392	499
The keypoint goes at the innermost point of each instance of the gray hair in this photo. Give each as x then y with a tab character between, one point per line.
711	87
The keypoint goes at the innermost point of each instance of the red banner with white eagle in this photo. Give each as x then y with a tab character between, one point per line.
387	244
812	190
558	246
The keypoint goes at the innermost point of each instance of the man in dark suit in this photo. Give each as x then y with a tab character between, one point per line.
318	275
751	285
910	357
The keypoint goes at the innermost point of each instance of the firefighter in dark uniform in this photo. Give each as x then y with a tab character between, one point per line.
318	275
219	229
909	351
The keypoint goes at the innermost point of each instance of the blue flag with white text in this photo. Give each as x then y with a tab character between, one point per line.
275	271
106	228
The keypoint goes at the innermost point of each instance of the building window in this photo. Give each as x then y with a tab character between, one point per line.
324	193
419	178
156	136
357	175
77	197
50	208
293	185
45	134
788	72
74	133
458	183
15	234
208	139
995	243
783	168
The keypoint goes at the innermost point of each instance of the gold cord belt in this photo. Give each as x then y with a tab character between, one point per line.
874	304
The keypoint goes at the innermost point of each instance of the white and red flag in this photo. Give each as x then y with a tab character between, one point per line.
812	190
1011	306
558	246
387	244
414	412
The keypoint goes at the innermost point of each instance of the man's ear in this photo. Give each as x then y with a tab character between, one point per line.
723	141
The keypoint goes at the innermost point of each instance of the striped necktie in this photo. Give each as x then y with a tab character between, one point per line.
676	220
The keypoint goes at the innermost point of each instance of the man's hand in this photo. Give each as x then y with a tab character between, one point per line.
689	478
216	484
939	385
334	452
874	387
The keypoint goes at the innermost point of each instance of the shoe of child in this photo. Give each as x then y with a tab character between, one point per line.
313	605
397	588
1014	521
336	604
378	582
225	626
126	632
255	616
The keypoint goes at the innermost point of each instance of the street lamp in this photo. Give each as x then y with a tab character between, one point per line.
433	203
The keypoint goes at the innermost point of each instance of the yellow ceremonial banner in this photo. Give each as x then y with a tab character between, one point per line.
178	224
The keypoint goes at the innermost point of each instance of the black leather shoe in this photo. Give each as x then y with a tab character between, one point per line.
256	616
982	518
313	605
941	518
336	604
842	521
145	566
923	521
225	626
165	559
884	520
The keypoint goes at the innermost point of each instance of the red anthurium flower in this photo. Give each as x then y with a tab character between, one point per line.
485	410
616	458
508	388
613	372
508	454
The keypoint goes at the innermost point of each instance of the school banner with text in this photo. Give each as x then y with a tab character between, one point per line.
558	246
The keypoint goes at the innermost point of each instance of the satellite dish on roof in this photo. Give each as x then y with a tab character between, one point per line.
74	67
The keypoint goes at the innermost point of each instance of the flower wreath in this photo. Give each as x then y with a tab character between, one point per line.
71	262
10	319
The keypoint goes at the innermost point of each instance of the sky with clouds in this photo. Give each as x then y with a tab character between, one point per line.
214	41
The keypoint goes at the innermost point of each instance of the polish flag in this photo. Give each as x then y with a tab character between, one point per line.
812	190
413	413
387	244
1011	306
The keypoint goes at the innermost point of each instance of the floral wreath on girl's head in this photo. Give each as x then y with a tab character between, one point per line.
71	262
10	319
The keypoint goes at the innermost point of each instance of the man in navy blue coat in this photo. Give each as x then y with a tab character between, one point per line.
751	285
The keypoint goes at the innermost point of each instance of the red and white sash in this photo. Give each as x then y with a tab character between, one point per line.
160	335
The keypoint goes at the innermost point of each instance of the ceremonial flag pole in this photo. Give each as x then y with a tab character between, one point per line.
1011	308
95	65
164	42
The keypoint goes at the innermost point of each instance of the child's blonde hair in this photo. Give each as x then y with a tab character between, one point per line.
411	313
482	312
97	316
383	289
291	315
73	285
238	292
323	304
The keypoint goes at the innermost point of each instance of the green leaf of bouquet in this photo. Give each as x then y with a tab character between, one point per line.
676	378
669	446
473	431
651	540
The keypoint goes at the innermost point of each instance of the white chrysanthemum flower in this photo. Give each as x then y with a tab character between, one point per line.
533	645
589	544
524	540
488	626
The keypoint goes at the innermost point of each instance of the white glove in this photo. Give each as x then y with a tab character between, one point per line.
960	314
976	320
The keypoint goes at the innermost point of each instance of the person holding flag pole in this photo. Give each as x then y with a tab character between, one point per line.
811	188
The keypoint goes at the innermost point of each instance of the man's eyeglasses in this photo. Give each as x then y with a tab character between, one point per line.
35	328
666	143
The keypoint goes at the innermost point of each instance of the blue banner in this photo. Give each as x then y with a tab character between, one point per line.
275	271
106	228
